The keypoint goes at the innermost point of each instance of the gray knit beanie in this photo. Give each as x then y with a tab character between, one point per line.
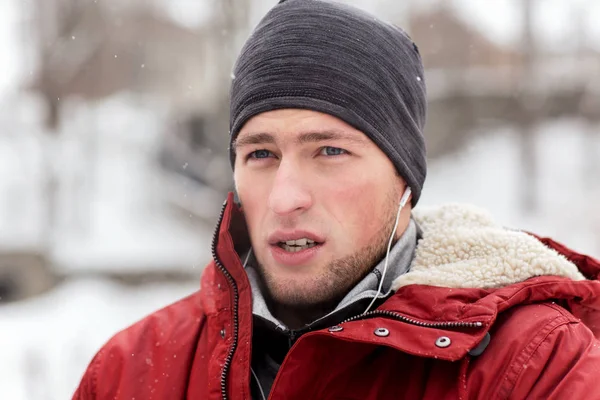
339	60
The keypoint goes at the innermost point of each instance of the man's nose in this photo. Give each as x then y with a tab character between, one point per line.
289	193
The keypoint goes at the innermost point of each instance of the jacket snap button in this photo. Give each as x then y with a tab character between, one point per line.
336	328
382	332
223	333
443	341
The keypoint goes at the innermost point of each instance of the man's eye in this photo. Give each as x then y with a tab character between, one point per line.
259	154
332	151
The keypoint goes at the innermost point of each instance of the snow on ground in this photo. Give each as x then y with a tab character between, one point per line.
47	342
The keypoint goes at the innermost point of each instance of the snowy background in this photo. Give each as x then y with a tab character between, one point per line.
122	232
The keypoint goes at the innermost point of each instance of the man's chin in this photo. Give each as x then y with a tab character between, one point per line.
300	296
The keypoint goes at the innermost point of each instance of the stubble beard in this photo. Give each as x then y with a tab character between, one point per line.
325	290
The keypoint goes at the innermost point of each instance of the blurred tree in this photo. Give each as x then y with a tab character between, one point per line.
529	118
229	30
92	50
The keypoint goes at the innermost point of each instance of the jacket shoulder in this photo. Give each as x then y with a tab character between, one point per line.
528	341
165	338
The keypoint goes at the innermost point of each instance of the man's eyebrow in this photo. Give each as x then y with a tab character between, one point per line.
252	138
303	138
320	136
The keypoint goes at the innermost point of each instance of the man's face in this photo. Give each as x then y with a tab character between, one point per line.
320	201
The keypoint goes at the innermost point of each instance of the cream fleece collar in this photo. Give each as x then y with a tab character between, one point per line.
462	247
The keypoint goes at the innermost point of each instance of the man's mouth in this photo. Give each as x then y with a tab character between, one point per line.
293	246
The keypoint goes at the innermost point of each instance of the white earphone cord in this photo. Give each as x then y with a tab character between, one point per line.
247	257
403	202
262	393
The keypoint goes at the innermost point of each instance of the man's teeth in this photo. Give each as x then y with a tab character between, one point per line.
297	245
299	242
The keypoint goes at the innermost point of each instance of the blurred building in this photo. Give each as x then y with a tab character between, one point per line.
128	87
475	82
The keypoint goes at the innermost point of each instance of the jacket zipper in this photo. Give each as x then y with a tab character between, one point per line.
402	318
295	335
233	285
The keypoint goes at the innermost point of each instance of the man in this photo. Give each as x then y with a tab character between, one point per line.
325	284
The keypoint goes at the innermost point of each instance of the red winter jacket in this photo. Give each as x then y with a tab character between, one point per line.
426	342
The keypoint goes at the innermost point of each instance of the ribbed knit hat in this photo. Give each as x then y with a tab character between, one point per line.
339	60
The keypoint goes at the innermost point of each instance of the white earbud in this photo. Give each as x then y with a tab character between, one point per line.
403	201
404	198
